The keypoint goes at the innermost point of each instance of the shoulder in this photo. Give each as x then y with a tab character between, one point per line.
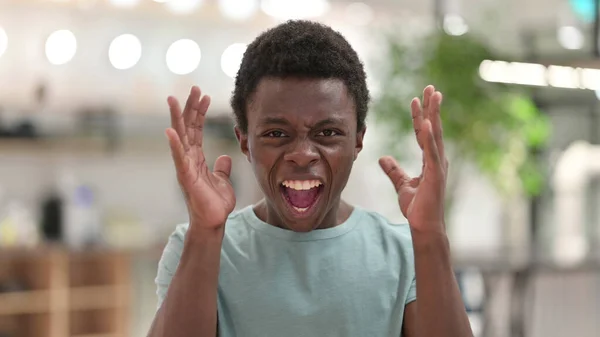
395	233
177	238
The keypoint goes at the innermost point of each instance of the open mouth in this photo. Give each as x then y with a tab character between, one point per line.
301	195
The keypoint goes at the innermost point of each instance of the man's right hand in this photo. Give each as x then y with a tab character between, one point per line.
209	195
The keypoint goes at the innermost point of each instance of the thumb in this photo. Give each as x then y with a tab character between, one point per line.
396	174
223	166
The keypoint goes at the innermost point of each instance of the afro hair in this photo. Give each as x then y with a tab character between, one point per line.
299	49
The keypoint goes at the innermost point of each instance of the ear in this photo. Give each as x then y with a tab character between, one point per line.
243	141
360	135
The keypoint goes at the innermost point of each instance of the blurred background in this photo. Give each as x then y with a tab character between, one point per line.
88	195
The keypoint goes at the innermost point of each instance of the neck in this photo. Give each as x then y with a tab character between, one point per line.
339	213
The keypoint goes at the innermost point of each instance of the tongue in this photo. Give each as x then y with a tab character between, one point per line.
303	198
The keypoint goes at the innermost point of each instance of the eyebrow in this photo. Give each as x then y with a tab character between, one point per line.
274	120
283	121
329	121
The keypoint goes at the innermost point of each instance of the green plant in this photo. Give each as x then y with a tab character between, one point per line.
494	126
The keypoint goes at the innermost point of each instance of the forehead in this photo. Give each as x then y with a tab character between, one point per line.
301	100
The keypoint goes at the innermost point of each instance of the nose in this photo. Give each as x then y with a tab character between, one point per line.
302	153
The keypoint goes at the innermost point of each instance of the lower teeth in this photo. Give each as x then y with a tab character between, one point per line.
298	209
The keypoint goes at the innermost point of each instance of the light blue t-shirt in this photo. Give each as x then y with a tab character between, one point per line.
350	280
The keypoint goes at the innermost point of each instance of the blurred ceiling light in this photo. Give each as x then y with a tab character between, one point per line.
359	13
125	51
183	56
540	75
590	78
238	9
528	74
570	37
563	77
295	9
124	3
513	72
61	46
3	41
494	71
183	6
455	25
232	59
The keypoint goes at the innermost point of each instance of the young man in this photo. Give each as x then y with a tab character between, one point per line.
302	262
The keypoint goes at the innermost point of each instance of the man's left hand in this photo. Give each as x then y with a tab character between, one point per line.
421	198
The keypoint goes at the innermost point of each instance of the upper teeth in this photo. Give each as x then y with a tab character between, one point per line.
301	184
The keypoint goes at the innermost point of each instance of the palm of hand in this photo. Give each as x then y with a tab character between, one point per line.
209	195
207	190
421	199
420	204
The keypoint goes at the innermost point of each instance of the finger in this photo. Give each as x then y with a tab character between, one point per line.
200	119
223	166
177	121
417	118
436	122
177	151
427	92
396	174
431	153
189	113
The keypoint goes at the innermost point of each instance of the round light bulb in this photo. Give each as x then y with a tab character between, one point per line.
455	25
238	9
301	9
125	51
61	46
183	56
232	59
183	6
124	3
570	37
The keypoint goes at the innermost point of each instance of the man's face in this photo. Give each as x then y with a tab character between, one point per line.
302	141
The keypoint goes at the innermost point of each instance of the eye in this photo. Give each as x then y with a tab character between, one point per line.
328	133
276	134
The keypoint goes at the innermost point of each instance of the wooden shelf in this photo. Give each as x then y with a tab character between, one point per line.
77	294
98	297
88	146
30	302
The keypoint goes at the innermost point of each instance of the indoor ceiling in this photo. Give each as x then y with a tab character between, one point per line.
96	22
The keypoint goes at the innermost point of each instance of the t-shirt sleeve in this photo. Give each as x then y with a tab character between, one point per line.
169	262
412	291
408	259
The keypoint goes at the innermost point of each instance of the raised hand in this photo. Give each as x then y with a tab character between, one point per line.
421	198
209	195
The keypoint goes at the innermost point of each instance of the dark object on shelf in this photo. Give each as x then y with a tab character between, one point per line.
12	286
25	129
3	130
52	217
103	121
